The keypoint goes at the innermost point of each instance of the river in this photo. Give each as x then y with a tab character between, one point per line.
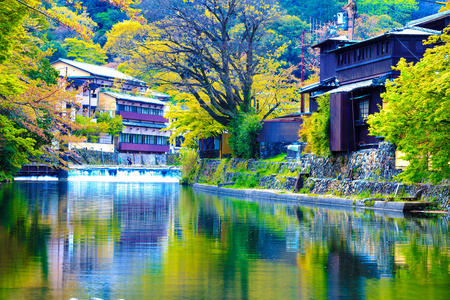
124	240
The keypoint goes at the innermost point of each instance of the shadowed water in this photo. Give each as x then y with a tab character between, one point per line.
62	240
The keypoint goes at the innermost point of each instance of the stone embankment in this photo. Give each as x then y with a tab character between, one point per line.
366	172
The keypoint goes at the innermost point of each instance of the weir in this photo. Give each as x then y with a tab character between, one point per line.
113	174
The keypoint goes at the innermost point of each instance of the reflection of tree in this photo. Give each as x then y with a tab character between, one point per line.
23	240
338	252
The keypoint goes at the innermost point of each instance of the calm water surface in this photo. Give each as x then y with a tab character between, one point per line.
62	240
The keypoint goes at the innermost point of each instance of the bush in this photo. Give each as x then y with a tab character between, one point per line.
315	130
190	166
243	132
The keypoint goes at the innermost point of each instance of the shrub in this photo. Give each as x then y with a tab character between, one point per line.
315	130
243	132
189	165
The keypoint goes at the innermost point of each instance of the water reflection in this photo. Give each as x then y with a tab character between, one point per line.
146	240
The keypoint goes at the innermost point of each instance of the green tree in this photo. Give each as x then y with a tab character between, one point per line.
244	129
90	129
415	115
85	51
399	10
317	11
315	130
370	26
114	124
211	50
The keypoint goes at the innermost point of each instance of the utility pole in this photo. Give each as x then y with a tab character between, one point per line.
302	74
351	14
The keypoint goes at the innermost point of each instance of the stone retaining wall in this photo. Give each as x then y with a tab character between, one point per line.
371	170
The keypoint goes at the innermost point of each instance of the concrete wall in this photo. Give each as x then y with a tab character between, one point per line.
91	157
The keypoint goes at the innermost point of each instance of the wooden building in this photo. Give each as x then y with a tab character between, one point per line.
353	73
143	120
143	116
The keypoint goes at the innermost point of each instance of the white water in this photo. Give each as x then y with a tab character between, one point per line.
125	175
114	175
36	178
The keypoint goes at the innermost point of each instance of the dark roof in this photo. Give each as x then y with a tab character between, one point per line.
341	38
429	19
407	30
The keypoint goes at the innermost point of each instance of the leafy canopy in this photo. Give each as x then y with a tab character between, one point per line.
415	115
33	100
315	130
209	49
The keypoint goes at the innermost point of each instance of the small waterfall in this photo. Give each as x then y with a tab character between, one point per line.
125	174
114	174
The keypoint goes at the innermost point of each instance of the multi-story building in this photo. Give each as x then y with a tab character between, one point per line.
105	89
353	73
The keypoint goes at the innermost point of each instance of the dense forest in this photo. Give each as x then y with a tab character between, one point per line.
317	18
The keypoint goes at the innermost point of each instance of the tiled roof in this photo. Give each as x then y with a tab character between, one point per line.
99	70
350	87
427	19
129	97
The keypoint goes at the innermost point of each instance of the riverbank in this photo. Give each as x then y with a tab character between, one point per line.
275	195
363	174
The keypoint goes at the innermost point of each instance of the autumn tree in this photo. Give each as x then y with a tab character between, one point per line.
211	50
35	121
415	115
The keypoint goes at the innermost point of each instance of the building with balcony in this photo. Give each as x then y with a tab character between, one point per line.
354	73
143	120
143	116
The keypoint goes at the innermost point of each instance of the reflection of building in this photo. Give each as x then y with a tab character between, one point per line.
108	90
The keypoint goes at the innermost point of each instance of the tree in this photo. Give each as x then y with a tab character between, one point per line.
85	51
415	115
315	130
400	11
211	50
33	101
317	11
370	26
114	124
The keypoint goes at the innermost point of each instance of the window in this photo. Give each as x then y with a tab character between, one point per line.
143	139
378	49
370	52
363	111
387	47
383	49
140	110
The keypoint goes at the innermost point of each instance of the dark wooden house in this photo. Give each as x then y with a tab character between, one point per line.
354	74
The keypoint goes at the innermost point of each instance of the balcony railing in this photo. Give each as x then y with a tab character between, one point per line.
142	117
143	147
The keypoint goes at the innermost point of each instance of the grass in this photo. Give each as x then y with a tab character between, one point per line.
277	158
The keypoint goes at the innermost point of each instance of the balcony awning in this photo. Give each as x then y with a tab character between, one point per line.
351	87
143	124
